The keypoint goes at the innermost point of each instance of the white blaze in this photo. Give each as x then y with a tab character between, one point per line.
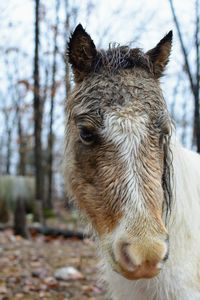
126	131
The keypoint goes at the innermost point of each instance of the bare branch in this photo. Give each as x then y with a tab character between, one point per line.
185	56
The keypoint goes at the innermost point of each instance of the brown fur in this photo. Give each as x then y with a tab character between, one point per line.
123	82
94	170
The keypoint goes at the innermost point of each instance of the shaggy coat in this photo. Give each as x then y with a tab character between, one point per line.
127	173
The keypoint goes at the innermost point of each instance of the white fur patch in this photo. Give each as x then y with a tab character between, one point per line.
126	131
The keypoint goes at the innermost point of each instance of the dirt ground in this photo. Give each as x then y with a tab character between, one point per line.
27	269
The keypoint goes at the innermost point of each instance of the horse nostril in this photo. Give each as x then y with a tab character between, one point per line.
167	252
141	260
166	256
126	259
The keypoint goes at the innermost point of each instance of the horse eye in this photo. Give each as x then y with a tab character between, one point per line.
87	136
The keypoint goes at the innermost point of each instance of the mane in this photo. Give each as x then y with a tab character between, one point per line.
167	178
121	57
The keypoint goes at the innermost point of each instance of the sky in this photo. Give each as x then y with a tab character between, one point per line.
130	13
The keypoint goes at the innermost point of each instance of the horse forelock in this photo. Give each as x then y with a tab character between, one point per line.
121	57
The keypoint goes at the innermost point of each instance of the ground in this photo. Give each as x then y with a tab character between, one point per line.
27	268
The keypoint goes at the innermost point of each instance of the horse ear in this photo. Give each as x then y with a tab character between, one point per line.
81	53
159	56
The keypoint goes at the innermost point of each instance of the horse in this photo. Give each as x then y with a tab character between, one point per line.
128	173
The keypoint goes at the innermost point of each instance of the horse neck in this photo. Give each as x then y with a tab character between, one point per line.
185	219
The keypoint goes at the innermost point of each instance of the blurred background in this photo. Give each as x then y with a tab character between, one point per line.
35	81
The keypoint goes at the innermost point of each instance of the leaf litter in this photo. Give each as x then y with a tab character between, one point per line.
49	269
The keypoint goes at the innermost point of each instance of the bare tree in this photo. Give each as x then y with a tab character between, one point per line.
21	142
53	93
193	78
37	118
197	79
70	12
20	131
8	110
9	140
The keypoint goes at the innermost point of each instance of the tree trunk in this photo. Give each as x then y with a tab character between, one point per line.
53	93
22	149
20	226
67	66
37	121
197	85
8	155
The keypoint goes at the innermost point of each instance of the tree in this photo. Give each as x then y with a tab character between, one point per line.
66	37
37	119
193	77
52	99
